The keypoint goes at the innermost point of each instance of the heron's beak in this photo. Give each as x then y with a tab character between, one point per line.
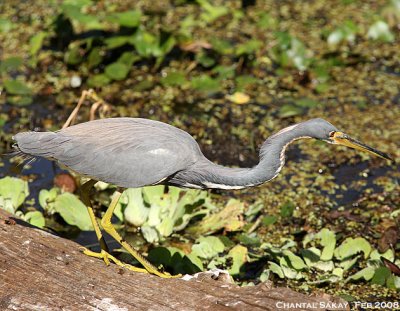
342	139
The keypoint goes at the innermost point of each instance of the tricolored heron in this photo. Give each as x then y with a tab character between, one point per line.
134	152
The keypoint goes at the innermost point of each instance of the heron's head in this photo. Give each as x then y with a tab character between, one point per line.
325	131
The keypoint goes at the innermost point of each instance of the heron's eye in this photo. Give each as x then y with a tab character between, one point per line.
331	134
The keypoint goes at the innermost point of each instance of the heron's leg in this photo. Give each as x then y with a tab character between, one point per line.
104	253
109	228
85	191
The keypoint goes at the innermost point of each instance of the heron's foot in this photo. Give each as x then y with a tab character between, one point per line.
107	257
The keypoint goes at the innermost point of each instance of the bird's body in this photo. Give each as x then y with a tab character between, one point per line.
135	152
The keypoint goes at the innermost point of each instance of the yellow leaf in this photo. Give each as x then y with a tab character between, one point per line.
239	98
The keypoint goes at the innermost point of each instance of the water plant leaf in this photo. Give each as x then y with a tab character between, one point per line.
380	30
380	276
73	211
115	42
229	218
5	25
135	213
211	12
74	55
35	218
248	47
366	274
36	42
146	44
11	63
275	268
205	83
290	110
95	57
13	192
328	241
287	209
249	239
47	199
98	80
207	247
351	247
346	32
117	71
239	258
128	58
239	98
269	220
174	78
295	261
17	87
127	18
150	233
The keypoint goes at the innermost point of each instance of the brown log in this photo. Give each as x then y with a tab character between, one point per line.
40	271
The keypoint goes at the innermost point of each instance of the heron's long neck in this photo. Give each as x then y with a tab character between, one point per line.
272	158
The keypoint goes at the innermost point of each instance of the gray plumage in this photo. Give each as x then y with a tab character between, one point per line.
134	152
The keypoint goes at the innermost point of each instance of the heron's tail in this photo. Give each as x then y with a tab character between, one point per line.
34	144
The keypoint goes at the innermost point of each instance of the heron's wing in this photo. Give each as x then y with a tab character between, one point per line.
128	152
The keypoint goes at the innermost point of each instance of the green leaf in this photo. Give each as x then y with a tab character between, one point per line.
290	110
349	263
117	71
249	239
243	81
95	57
222	46
211	12
204	83
275	268
150	234
351	247
35	218
73	56
381	275
73	211
288	270
13	192
146	44
269	220
311	256
380	30
17	87
239	258
366	274
47	199
11	63
306	103
36	42
127	18
328	240
128	58
5	25
175	78
115	42
136	213
287	209
248	47
228	219
98	80
295	261
207	247
20	100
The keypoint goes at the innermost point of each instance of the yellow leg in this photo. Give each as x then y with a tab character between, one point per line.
103	254
109	228
85	191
